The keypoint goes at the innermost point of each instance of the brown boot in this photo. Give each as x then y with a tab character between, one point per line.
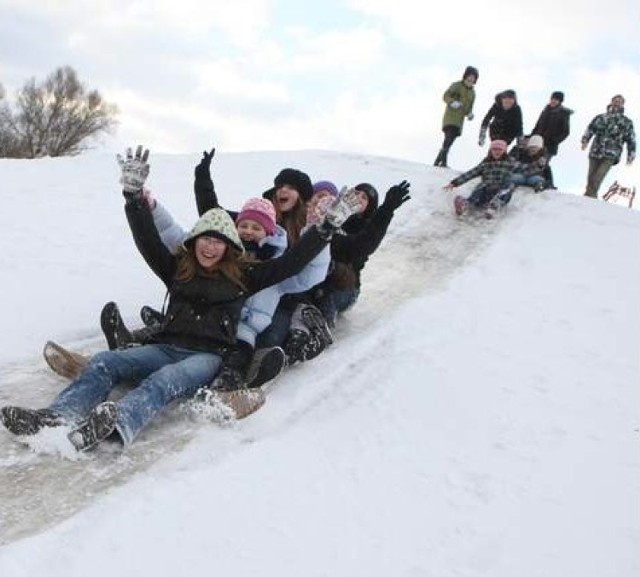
64	362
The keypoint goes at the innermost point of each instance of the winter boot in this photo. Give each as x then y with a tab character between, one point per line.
63	362
493	207
266	365
21	421
228	379
151	317
225	406
317	325
113	327
295	346
98	426
460	205
441	159
540	187
490	211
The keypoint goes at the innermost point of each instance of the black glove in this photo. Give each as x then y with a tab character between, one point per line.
203	169
397	195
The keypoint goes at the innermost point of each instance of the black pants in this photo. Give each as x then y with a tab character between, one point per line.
450	134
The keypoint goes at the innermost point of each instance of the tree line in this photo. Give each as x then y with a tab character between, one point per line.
56	117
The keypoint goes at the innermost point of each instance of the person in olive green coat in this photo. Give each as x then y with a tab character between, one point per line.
459	99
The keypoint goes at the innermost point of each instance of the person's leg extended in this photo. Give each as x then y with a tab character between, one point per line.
188	372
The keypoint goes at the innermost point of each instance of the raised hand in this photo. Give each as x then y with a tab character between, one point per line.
134	170
203	169
397	195
340	210
343	207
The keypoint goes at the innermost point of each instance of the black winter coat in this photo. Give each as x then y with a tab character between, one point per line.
203	312
553	126
206	197
503	124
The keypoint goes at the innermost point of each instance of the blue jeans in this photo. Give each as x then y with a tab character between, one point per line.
343	299
519	179
164	373
336	301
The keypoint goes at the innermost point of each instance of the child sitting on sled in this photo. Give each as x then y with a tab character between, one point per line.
494	189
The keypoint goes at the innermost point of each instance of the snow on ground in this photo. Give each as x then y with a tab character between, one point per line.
478	415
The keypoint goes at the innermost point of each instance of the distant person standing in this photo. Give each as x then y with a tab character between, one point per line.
610	131
553	126
459	98
503	119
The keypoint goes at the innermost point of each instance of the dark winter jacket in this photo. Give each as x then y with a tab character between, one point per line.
203	312
503	124
611	131
350	252
553	126
460	92
495	174
527	163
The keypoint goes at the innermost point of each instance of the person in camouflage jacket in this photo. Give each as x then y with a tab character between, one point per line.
610	131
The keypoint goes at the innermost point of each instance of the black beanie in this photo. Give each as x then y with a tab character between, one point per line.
470	70
297	179
557	95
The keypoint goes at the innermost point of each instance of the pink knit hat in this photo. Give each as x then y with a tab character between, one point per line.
260	210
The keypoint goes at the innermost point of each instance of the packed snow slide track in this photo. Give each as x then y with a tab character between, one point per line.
40	486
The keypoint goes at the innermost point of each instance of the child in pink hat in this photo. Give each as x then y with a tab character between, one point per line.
494	189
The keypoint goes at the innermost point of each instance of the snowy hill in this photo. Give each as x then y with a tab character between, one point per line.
478	414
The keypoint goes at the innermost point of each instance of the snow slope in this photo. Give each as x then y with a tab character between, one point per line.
478	414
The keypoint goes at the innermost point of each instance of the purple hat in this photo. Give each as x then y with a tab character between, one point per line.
331	188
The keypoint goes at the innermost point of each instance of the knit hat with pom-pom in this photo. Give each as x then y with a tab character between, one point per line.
261	211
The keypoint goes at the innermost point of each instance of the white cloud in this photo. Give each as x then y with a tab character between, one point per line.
244	76
505	30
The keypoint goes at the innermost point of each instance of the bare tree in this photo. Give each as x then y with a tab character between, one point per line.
54	118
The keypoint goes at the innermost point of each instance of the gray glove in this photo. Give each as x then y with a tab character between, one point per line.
455	104
483	136
340	210
134	171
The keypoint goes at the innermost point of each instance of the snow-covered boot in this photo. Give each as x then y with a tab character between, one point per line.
266	365
100	423
151	317
295	346
21	421
493	207
460	205
113	327
225	406
228	379
540	187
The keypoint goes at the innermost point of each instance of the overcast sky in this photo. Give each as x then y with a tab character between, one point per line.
363	76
